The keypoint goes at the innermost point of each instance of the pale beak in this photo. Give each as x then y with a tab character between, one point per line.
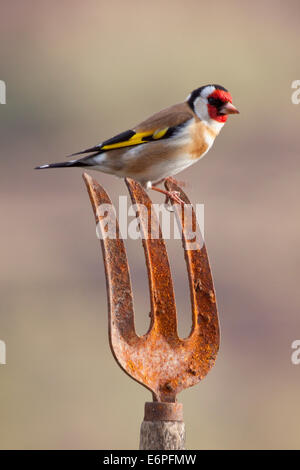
228	108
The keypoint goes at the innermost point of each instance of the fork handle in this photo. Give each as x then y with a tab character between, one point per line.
163	427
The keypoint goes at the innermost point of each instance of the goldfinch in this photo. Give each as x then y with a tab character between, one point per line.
165	143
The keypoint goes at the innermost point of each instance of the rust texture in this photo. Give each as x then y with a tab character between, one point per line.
159	360
163	411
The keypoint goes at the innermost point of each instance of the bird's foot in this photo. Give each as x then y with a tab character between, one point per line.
170	195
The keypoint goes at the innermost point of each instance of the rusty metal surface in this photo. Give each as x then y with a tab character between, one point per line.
159	360
163	411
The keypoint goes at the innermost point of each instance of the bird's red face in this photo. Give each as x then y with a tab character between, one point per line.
220	105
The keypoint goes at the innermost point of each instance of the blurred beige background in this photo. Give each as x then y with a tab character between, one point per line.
77	73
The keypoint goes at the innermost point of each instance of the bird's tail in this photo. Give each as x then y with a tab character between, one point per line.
83	162
60	165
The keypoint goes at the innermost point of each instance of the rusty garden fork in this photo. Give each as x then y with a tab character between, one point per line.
159	360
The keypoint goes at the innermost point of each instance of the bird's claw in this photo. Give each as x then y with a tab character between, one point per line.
175	196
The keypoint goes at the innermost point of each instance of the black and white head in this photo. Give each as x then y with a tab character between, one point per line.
212	104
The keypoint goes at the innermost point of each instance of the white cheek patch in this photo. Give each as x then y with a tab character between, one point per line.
207	91
200	106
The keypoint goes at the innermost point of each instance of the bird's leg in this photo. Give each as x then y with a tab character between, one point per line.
174	195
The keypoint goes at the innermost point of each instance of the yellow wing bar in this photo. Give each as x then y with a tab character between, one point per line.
136	139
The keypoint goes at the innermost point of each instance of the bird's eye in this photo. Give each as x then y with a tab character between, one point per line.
215	102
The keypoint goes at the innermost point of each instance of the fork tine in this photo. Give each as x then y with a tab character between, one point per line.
120	300
163	309
203	300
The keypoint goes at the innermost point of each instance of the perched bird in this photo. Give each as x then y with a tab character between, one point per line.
165	143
